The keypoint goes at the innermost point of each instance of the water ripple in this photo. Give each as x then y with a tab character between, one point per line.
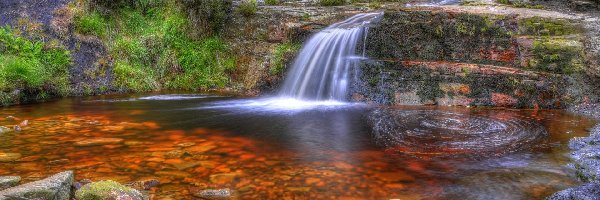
443	133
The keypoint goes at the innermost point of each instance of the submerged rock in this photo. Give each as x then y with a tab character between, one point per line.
107	190
56	187
98	142
9	181
9	157
4	129
589	191
211	194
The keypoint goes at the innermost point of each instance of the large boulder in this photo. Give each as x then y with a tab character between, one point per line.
9	181
107	190
56	187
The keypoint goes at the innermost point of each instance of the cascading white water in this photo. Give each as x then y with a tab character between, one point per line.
321	70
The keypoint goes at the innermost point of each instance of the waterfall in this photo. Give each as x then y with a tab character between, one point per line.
321	70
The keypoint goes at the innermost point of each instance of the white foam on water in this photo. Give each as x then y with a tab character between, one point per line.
279	105
174	97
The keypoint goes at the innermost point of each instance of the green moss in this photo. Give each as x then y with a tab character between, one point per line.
280	55
100	190
332	2
248	8
547	27
557	56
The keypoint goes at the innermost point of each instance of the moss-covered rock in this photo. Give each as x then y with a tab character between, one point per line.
106	190
9	181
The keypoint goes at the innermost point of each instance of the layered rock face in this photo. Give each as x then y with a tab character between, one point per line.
450	56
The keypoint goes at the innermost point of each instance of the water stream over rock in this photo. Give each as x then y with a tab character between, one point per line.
321	71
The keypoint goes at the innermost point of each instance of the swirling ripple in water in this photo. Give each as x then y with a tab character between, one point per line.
445	133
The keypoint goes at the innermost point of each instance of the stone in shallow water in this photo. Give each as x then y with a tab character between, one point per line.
98	142
223	178
4	129
9	157
56	187
108	190
210	194
9	181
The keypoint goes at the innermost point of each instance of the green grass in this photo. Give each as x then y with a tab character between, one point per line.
248	8
332	2
92	24
280	55
31	66
153	50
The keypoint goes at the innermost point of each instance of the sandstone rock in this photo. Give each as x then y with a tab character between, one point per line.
9	181
56	187
98	142
107	190
211	194
9	157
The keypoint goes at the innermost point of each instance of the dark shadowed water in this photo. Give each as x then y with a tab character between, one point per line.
276	149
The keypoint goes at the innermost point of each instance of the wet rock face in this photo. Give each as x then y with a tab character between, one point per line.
445	58
57	187
446	133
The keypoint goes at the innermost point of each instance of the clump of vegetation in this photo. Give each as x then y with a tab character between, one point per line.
92	24
280	55
332	2
557	56
547	27
272	2
206	17
520	4
153	49
248	8
33	67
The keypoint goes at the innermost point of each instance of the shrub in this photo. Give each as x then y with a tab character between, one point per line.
248	7
272	2
332	2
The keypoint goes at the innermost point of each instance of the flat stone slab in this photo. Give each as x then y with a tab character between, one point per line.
56	187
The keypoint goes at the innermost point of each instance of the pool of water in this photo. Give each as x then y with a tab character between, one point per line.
273	148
